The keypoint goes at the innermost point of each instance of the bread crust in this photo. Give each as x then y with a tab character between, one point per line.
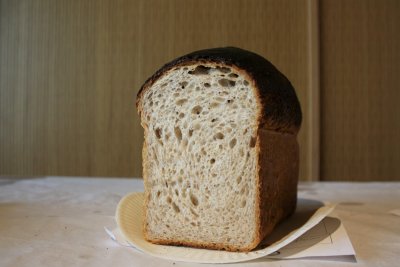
279	119
278	170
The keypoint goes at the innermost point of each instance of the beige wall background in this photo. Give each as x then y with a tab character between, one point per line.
70	71
360	90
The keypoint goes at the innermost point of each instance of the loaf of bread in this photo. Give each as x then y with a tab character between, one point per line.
220	154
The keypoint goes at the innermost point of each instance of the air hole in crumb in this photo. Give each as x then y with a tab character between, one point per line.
232	143
175	207
212	161
197	110
219	135
178	133
192	223
196	126
243	203
169	200
182	101
181	115
233	75
158	133
245	82
253	141
214	104
226	83
194	200
167	226
242	190
224	69
177	192
190	132
239	179
194	213
200	70
158	194
180	180
183	84
207	84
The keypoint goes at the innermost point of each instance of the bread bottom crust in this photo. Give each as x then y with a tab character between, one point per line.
214	246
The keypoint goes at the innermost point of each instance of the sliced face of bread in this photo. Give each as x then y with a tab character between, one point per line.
210	180
200	157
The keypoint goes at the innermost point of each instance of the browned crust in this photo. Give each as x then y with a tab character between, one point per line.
215	246
278	124
278	171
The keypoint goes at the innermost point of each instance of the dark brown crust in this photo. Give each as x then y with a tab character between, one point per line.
216	246
280	106
277	147
278	169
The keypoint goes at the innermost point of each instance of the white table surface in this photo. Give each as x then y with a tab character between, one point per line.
59	221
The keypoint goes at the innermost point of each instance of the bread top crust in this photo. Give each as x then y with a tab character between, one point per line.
281	110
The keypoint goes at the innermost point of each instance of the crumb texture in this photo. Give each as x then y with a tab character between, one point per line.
200	162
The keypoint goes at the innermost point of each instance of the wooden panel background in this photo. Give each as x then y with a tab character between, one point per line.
360	60
69	72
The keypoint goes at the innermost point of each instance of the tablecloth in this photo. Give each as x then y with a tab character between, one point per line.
59	221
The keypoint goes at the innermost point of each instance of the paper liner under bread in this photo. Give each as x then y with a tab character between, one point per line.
129	218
